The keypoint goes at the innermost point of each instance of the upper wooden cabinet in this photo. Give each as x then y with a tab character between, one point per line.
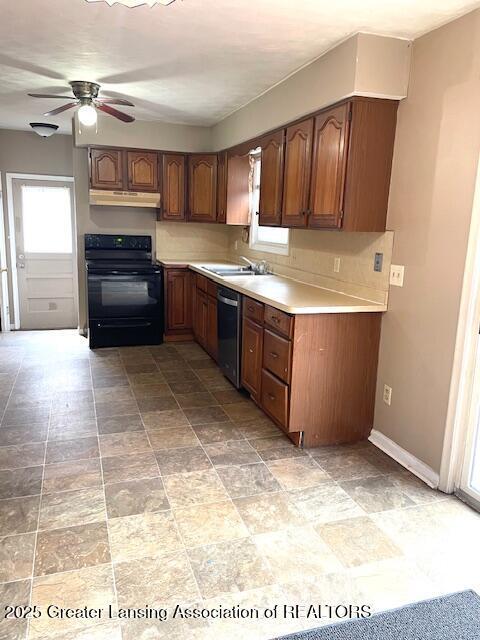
329	163
173	186
238	187
296	185
142	171
222	187
271	179
202	187
107	169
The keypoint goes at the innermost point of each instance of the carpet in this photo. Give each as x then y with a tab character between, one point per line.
452	617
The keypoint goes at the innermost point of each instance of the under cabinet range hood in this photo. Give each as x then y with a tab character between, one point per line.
124	198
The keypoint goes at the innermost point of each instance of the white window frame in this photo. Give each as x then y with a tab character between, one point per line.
279	248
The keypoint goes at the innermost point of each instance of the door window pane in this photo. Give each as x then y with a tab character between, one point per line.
47	219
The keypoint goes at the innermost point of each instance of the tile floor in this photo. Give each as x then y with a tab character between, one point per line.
139	476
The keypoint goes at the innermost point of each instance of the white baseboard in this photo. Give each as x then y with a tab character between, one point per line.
406	459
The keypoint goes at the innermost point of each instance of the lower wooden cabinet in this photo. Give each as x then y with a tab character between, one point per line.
275	398
200	320
212	327
252	348
178	291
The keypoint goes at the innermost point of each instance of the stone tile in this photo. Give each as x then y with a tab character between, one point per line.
91	587
217	432
19	515
111	408
70	427
143	535
22	435
154	377
196	487
175	629
104	631
187	386
357	541
258	428
276	448
203	415
268	512
325	502
209	523
14	593
69	401
16	556
167	403
22	455
180	376
20	416
296	554
69	450
20	482
161	580
76	474
376	494
120	424
297	473
176	365
70	548
415	489
154	420
233	452
380	460
243	411
135	496
346	466
229	567
203	363
141	367
182	460
129	467
78	413
173	438
158	390
230	396
70	508
110	380
113	394
194	400
120	444
248	480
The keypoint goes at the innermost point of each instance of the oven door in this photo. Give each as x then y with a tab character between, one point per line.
124	295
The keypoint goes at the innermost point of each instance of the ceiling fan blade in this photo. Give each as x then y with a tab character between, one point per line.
124	117
58	110
50	95
122	101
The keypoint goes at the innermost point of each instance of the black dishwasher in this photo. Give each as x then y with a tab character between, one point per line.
229	311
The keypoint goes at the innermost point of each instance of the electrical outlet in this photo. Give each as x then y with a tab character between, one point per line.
387	394
378	262
396	275
336	265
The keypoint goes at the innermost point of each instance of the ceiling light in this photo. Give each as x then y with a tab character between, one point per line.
135	3
87	115
44	129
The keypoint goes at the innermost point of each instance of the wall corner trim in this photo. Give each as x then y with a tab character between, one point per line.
406	459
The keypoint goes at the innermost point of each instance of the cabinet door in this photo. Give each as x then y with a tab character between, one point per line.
238	187
252	348
202	186
178	290
271	179
142	171
329	167
296	183
201	318
222	187
106	169
173	186
212	327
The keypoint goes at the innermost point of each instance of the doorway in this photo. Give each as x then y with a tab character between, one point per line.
43	251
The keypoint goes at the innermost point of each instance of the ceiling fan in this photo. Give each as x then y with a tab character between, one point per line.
85	94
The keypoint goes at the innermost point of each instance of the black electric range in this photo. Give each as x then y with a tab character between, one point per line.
124	291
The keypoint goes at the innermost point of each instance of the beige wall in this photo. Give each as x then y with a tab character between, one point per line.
435	160
364	64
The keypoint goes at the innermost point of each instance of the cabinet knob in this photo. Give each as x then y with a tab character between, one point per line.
271	396
276	319
251	350
273	354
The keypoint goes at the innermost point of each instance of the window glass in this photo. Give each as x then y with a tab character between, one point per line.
47	219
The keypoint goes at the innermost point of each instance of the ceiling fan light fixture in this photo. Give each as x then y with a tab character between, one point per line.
135	3
44	129
87	114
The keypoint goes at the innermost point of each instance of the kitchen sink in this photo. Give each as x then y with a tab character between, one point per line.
240	271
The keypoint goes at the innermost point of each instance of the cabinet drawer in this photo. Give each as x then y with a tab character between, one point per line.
253	310
211	288
277	355
201	282
275	398
280	321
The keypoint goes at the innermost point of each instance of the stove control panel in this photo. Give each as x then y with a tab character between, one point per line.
120	242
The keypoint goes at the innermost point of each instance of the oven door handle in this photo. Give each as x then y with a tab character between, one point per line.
116	278
109	325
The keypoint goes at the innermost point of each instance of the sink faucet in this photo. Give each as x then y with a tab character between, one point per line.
250	262
257	267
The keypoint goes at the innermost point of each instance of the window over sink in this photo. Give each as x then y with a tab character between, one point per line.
267	239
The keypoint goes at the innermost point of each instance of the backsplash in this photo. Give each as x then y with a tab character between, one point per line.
192	241
312	256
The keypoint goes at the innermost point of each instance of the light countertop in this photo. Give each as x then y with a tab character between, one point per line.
282	293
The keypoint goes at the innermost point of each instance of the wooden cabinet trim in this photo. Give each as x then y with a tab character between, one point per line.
296	184
271	179
142	171
202	187
173	187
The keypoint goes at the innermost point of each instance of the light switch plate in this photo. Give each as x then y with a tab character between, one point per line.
396	275
336	265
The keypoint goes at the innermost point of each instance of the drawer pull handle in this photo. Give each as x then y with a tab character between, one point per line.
273	354
271	396
276	319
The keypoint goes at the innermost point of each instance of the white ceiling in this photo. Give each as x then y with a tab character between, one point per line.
194	61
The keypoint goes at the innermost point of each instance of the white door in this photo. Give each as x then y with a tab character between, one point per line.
44	240
470	476
4	293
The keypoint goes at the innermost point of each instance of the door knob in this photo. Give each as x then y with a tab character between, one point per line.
21	265
21	256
